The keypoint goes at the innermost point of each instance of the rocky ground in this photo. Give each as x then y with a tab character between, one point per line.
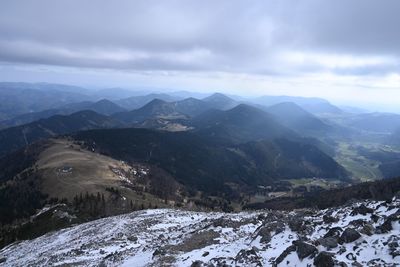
359	234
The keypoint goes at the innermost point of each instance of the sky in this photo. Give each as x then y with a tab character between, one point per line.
345	51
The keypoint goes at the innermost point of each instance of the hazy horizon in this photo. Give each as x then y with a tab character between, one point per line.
345	52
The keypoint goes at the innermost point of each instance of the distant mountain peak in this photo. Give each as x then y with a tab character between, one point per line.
220	101
156	101
246	108
297	118
104	101
288	107
217	96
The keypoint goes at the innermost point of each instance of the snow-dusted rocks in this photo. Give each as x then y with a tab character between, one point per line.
349	235
360	234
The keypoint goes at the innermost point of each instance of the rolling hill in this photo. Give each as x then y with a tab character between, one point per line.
103	106
17	137
299	120
196	161
240	124
313	105
156	108
220	101
136	102
21	98
375	122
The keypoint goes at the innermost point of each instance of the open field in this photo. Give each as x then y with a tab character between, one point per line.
361	168
66	171
308	182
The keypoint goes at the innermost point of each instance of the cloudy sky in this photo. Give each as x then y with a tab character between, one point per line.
343	50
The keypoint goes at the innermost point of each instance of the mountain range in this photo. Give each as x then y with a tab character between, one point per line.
19	136
93	157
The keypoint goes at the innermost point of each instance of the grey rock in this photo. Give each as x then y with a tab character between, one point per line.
197	264
265	234
329	242
368	229
329	219
324	259
296	224
350	256
349	235
358	222
385	227
249	257
159	252
334	232
375	217
304	249
362	209
132	238
284	254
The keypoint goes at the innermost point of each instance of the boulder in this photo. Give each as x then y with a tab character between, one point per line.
304	249
324	259
375	217
350	256
132	238
349	235
277	227
329	242
393	245
387	224
358	222
265	234
249	257
385	227
197	264
334	232
368	229
296	224
226	223
329	219
284	254
159	252
362	209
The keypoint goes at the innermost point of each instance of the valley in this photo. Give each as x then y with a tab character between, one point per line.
85	161
199	133
362	168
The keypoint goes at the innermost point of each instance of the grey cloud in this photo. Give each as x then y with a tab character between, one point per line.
232	36
357	26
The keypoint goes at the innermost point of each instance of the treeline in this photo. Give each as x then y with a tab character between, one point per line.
14	163
20	198
89	206
61	213
377	190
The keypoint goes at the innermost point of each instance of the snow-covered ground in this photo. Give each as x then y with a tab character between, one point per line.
361	234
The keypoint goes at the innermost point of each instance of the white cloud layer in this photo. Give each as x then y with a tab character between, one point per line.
336	48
